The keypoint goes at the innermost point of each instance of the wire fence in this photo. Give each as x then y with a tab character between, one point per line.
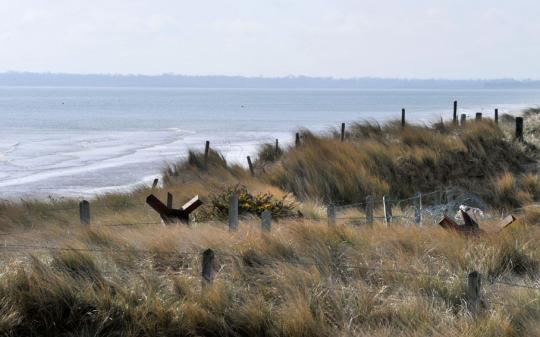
296	260
424	207
406	210
20	249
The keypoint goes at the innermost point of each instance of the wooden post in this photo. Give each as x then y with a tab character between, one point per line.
478	116
155	183
331	214
84	212
169	200
450	196
233	212
402	118
208	267
277	149
206	153
463	119
369	210
387	206
418	208
297	140
266	221
496	116
455	113
342	132
251	166
474	291
519	128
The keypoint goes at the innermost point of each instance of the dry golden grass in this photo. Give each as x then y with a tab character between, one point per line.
304	278
378	160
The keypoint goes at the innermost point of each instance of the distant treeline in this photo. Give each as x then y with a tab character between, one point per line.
172	80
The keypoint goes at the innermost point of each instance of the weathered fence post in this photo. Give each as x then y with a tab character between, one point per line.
155	183
331	214
441	197
207	267
387	206
297	140
496	116
84	212
369	210
418	208
478	116
519	128
455	113
206	153
250	164
474	291
169	200
342	132
463	119
233	212
276	154
402	118
450	196
266	221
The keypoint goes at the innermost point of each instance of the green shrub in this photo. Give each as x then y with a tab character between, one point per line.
249	203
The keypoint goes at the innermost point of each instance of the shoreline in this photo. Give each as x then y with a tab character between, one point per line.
234	151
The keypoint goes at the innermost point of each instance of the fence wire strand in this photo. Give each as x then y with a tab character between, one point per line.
19	248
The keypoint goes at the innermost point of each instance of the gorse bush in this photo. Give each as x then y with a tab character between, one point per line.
249	203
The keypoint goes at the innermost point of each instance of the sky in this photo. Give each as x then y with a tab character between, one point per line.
339	38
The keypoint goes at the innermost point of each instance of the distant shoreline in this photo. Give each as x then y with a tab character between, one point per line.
28	79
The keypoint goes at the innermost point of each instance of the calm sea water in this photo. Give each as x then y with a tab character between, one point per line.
83	141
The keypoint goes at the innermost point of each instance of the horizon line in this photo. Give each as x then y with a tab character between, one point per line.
265	77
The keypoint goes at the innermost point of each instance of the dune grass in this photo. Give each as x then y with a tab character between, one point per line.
377	160
139	278
303	279
390	160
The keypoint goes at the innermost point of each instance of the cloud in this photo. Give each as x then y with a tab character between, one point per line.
235	26
415	38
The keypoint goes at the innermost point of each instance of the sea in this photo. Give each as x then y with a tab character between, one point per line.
77	142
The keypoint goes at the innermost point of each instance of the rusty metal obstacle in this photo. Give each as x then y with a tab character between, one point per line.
470	226
168	214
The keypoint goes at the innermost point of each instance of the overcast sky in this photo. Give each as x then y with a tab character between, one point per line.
341	38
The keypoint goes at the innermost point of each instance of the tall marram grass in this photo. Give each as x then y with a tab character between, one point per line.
389	159
374	160
303	279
